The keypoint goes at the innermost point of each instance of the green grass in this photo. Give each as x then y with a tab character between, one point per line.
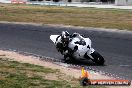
87	17
14	74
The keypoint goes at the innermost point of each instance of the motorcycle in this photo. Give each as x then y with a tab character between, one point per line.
81	48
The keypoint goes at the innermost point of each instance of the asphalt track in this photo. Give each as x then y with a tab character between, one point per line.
115	47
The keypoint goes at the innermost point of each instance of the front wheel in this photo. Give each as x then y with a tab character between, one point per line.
97	58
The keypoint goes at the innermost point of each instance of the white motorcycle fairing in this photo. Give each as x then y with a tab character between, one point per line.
53	38
82	49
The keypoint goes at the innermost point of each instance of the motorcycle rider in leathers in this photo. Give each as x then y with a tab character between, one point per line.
62	42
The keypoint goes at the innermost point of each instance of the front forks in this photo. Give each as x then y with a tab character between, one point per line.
91	50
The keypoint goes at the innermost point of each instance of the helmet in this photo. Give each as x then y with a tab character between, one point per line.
65	36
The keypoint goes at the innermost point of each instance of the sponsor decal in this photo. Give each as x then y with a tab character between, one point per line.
85	81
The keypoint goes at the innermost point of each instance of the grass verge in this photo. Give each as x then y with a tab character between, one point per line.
87	17
14	74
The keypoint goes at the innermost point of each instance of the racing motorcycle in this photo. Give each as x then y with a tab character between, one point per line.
81	48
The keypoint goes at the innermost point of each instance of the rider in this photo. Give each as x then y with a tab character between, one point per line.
62	42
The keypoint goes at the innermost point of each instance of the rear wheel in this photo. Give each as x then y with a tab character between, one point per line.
97	58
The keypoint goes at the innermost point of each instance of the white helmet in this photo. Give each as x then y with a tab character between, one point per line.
65	36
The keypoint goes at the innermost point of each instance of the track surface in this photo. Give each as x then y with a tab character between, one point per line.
115	47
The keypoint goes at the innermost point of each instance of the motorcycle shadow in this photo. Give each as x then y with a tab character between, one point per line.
82	62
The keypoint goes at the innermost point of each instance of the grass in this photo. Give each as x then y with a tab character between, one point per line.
87	17
14	74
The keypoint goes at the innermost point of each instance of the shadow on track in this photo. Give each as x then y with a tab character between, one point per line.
82	62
